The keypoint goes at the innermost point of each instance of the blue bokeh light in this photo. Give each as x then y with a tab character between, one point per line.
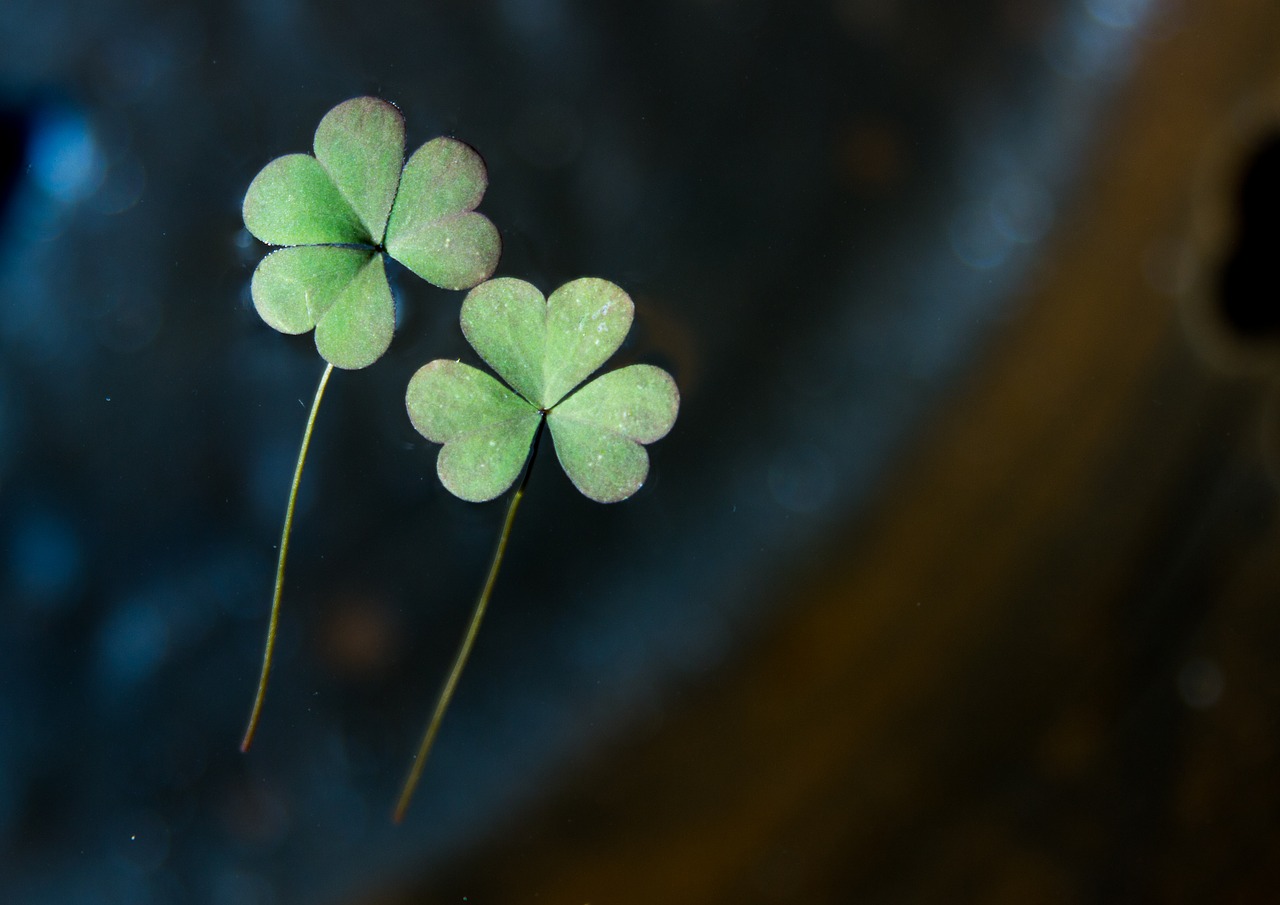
45	559
66	162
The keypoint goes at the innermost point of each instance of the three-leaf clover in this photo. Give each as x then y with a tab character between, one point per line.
338	212
543	349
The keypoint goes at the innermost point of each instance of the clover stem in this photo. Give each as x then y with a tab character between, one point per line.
464	649
284	552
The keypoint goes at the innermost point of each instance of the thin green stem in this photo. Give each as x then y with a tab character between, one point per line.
464	650
284	552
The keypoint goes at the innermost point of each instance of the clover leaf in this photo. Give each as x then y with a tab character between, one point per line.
543	349
338	212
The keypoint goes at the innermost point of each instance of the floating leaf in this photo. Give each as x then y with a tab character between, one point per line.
336	212
357	326
587	320
292	201
341	292
599	430
292	287
360	144
505	321
486	429
434	230
543	348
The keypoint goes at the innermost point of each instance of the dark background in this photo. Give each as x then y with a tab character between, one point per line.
956	579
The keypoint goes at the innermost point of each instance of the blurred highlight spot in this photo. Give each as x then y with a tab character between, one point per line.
359	635
65	160
132	643
1095	39
45	559
977	241
1016	211
1121	14
122	186
1021	210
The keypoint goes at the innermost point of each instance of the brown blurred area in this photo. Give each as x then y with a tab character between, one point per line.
1044	668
